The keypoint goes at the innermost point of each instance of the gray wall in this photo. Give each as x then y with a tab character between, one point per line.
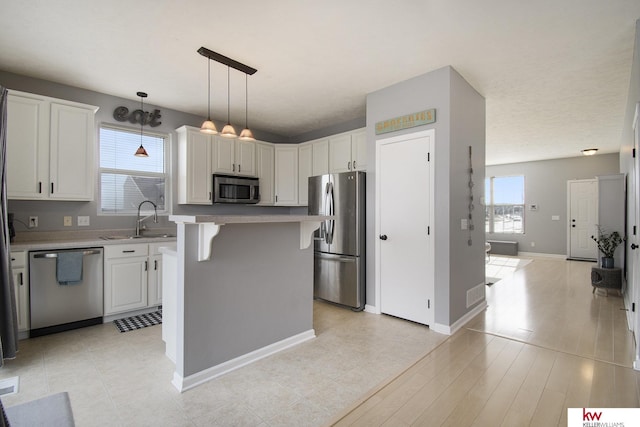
50	213
460	114
545	184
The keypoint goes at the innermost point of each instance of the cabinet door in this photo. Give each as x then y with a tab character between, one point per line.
125	284
71	153
245	158
27	147
286	160
194	174
21	287
224	156
265	171
320	157
305	164
340	154
359	150
154	295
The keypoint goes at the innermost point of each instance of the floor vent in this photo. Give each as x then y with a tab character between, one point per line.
475	295
9	386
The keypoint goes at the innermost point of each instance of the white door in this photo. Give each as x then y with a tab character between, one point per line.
405	252
632	293
583	217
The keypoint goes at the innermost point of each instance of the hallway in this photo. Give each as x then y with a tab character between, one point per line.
544	344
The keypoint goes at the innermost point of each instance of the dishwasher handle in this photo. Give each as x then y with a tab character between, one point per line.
55	254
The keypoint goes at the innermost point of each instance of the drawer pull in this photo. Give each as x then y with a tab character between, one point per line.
129	251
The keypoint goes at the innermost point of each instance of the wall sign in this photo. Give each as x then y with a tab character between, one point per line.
404	122
122	114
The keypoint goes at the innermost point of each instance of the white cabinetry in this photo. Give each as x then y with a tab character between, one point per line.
286	174
320	157
21	286
348	151
50	148
125	277
234	156
265	170
154	285
305	167
194	166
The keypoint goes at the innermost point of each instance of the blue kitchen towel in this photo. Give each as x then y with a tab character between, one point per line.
69	268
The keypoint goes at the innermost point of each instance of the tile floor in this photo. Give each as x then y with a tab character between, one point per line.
124	379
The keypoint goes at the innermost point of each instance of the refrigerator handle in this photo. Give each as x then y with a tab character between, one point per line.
330	223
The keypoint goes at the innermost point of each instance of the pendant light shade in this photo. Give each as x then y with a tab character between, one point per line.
141	152
228	131
208	126
246	134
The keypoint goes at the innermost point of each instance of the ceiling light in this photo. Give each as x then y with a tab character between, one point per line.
589	151
228	131
246	134
141	152
208	126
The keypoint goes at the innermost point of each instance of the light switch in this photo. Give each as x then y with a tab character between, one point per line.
83	221
464	224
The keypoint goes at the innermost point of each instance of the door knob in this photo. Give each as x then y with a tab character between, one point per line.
383	237
634	246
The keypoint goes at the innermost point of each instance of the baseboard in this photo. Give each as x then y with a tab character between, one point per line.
191	381
458	324
543	255
112	317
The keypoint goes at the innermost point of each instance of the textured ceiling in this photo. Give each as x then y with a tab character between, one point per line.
555	73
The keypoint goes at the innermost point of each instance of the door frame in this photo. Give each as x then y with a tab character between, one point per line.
632	295
431	133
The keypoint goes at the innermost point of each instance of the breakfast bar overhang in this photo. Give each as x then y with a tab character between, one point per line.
243	290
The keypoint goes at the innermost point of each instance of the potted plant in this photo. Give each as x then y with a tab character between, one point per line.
607	244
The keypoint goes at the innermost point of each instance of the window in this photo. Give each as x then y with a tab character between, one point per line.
126	180
505	204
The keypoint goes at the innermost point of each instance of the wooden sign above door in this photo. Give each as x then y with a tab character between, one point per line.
407	121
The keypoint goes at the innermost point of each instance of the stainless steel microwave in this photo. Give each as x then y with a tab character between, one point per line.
235	189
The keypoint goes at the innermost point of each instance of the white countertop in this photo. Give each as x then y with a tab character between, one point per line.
245	219
78	242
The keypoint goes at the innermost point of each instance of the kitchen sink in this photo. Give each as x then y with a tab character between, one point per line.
144	236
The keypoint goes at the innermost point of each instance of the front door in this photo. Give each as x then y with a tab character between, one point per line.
405	241
583	217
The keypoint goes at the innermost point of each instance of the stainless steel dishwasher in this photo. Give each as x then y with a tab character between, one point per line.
56	306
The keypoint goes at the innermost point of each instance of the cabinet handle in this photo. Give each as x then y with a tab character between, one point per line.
276	198
128	251
234	167
349	165
21	279
40	187
354	165
146	265
155	264
52	188
209	195
239	168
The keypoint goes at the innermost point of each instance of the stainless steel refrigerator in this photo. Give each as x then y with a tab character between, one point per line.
339	244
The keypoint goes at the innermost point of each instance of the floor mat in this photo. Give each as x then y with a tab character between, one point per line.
138	322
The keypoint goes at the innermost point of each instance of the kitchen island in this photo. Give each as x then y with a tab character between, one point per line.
243	289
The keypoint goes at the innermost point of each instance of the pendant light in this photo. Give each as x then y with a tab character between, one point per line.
208	126
141	152
246	134
228	131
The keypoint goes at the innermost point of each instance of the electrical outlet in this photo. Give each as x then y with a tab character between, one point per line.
68	221
83	221
533	244
33	222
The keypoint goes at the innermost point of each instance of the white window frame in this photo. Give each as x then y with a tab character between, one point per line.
490	206
146	208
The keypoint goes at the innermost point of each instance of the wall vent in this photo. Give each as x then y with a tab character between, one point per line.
475	295
9	386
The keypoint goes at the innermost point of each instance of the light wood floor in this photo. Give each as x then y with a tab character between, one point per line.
545	344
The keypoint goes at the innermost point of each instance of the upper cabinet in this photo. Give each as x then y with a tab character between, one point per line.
286	175
348	152
265	158
194	166
305	169
50	148
234	157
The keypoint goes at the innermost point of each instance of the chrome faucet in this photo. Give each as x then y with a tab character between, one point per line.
139	221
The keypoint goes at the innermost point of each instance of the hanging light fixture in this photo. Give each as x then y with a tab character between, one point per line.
228	131
208	126
141	152
246	134
589	151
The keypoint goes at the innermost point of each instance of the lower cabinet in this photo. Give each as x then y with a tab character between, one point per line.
21	286
132	277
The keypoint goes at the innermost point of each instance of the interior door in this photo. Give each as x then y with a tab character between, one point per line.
404	245
583	217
